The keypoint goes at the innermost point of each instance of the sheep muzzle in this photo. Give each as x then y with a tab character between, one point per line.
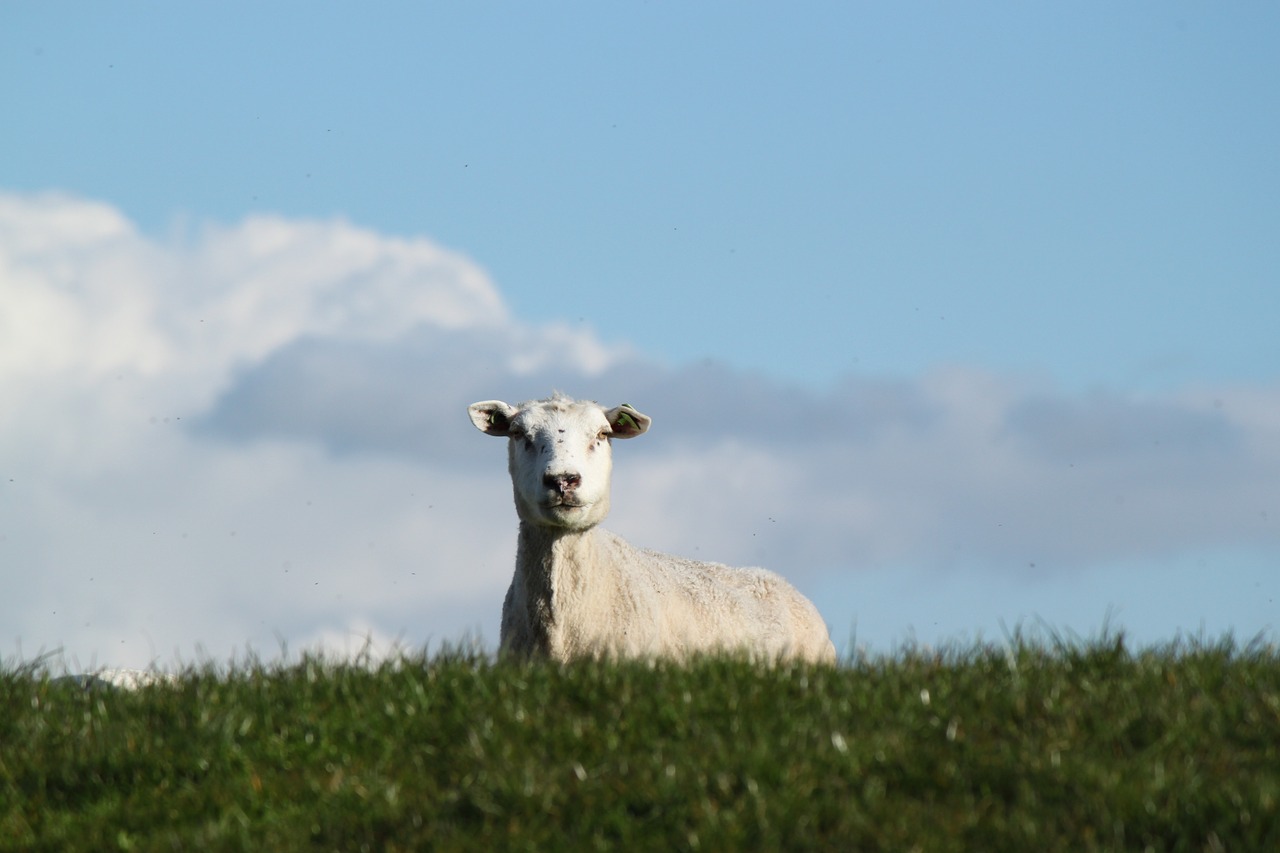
563	485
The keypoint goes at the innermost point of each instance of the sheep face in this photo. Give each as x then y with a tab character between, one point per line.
559	455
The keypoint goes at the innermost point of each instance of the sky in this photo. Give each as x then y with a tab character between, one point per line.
961	317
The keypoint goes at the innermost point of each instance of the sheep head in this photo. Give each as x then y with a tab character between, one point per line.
559	455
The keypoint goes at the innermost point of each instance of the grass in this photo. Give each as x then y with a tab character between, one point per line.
1015	746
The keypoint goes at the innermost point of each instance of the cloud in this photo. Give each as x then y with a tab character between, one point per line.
140	530
254	434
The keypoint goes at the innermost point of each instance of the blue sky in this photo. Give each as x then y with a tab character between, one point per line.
1005	245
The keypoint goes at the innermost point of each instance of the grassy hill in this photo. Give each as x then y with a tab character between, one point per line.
1016	746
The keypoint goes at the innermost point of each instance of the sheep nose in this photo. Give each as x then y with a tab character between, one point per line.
562	483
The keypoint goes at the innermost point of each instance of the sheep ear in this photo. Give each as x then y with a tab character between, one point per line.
492	417
627	422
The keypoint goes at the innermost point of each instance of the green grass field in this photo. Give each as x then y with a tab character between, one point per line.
1021	745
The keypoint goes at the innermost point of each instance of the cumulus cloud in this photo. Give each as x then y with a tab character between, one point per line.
254	434
139	523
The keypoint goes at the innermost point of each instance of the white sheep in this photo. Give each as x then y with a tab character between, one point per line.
579	590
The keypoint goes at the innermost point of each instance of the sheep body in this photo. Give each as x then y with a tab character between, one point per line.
580	591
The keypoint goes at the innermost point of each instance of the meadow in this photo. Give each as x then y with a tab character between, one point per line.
1017	745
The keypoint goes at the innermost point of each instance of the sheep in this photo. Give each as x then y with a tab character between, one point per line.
581	591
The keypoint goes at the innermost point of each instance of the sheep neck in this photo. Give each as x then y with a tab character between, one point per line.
557	567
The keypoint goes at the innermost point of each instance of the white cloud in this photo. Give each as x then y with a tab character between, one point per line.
139	535
255	434
58	316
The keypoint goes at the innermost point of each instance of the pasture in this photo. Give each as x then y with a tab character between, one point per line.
1015	745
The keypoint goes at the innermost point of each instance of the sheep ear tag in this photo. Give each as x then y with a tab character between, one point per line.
499	423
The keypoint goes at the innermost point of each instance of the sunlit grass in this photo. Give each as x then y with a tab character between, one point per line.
1014	746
